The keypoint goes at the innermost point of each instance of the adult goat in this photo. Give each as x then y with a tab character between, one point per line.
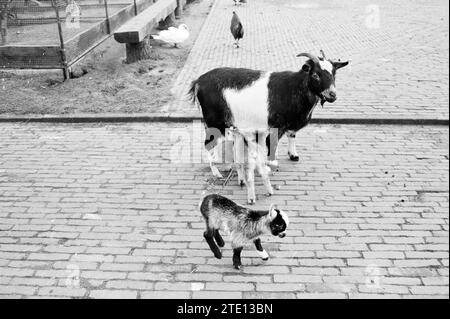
263	106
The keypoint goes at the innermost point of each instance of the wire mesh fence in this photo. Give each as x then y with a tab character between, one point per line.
54	33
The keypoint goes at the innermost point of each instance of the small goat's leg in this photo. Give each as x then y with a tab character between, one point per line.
251	197
264	171
293	155
219	239
214	170
241	174
239	158
272	141
261	251
212	142
261	166
209	236
237	257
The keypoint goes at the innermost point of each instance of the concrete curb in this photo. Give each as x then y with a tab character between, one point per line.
178	118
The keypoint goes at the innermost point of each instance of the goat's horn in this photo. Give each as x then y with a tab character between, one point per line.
323	54
311	56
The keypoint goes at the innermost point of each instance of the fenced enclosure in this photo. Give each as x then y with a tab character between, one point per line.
55	34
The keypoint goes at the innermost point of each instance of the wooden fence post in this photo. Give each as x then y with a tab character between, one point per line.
61	41
179	9
108	25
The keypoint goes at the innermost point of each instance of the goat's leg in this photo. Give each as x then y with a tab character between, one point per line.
261	166
214	170
239	158
209	237
241	174
212	153
238	240
293	155
251	197
264	171
272	141
219	239
237	257
261	251
212	139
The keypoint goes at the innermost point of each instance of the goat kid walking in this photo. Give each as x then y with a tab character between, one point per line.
245	225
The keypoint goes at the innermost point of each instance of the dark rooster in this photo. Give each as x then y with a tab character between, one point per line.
237	30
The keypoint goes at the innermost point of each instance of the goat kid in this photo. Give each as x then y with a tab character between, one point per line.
245	226
256	101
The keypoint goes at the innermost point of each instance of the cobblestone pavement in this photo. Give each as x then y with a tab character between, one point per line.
103	211
398	50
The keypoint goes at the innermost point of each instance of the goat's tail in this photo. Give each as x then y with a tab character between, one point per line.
193	91
200	203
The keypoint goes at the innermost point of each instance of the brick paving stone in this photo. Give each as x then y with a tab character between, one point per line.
149	245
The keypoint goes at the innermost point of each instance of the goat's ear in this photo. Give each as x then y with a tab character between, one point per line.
306	68
273	211
337	65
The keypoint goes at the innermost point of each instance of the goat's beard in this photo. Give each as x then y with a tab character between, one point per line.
322	101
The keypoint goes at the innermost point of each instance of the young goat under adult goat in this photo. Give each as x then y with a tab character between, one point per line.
245	225
262	107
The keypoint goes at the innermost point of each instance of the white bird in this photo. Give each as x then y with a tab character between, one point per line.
173	35
236	2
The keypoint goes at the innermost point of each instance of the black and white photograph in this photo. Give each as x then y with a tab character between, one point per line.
235	152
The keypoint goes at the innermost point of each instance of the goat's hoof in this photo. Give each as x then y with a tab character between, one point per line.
241	183
218	255
273	164
237	267
268	194
294	157
263	255
251	202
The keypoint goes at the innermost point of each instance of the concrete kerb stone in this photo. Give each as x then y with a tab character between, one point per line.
184	118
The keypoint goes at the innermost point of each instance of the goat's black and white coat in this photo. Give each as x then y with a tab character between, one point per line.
243	224
259	103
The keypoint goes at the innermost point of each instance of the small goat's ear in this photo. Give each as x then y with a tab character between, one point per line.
273	211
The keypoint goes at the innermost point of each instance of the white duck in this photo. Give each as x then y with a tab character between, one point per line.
236	2
173	35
